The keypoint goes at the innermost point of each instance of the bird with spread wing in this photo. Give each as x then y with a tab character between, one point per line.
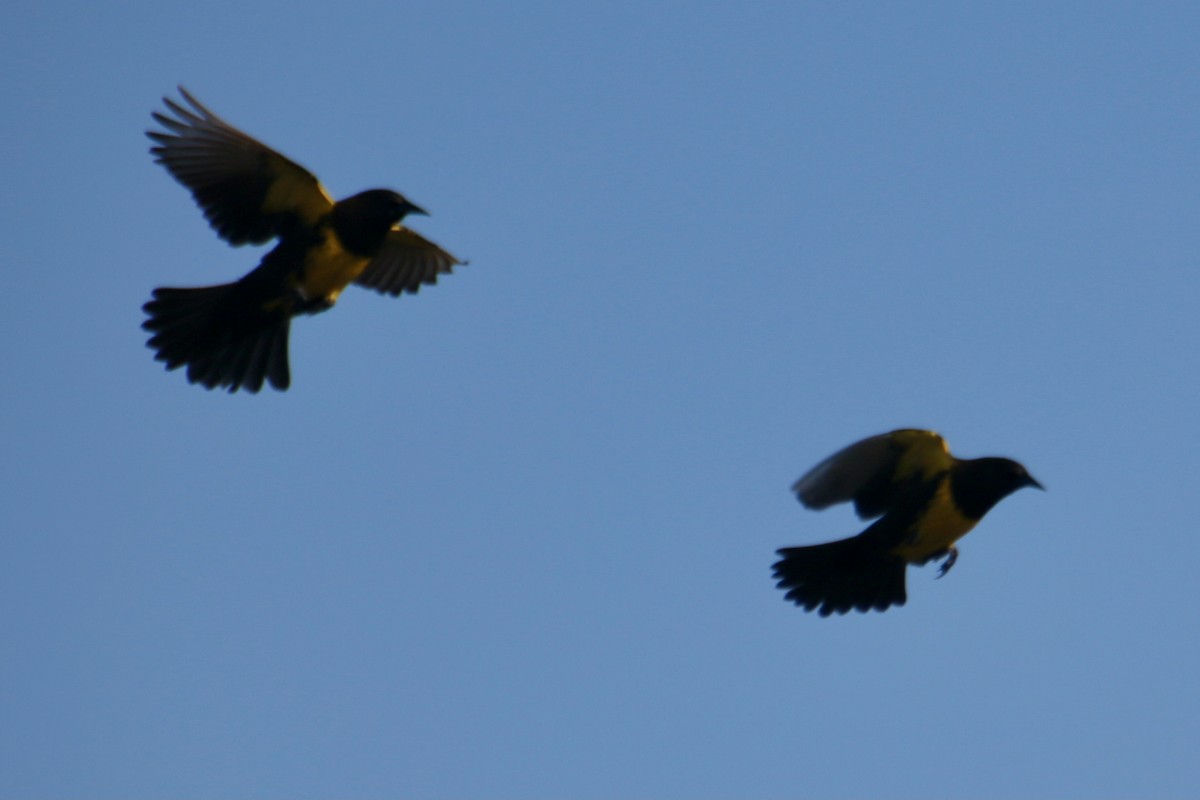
235	335
925	500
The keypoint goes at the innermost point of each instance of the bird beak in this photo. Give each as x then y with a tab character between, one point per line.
413	208
1031	481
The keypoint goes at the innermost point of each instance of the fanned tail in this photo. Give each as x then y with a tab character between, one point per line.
838	576
223	334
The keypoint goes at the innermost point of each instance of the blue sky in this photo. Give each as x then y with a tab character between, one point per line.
512	537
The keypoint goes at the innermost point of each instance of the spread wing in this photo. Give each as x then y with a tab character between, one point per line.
875	471
249	193
404	262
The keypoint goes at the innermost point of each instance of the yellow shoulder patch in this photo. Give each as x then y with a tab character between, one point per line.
924	453
294	189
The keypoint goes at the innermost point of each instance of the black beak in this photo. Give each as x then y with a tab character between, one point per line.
1031	481
413	208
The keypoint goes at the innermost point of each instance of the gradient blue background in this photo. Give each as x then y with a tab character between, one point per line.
512	537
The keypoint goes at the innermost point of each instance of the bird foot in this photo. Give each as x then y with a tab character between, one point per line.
951	557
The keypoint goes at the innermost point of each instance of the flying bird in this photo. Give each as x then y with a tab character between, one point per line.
925	500
235	335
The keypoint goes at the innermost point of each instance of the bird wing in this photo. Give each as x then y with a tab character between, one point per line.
404	262
874	471
249	193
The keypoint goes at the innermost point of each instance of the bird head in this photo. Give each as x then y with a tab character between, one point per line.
1006	475
383	204
980	483
363	220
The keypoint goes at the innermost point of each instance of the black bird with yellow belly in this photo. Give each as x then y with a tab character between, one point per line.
235	335
926	500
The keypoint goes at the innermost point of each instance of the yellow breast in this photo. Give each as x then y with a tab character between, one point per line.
328	269
939	527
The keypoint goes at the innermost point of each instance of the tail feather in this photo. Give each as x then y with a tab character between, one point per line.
223	334
838	576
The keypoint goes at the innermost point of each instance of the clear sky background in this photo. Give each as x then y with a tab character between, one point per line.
512	537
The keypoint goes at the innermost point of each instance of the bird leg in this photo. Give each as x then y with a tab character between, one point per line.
951	557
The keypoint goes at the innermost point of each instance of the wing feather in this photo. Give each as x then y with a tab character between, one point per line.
405	262
871	472
249	193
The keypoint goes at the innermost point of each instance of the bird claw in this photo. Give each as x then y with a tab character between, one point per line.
951	557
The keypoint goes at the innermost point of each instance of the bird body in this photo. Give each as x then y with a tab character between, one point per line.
328	268
940	524
925	500
329	265
235	335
